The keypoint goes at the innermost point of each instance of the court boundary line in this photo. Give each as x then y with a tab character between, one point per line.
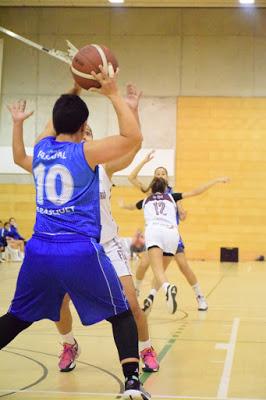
229	359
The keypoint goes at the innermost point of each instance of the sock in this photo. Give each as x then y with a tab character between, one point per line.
165	286
197	290
144	345
20	254
68	338
131	369
153	292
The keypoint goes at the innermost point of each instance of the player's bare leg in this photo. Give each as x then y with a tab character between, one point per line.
157	264
155	287
192	280
147	352
142	266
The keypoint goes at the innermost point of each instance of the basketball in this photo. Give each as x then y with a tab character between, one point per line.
87	60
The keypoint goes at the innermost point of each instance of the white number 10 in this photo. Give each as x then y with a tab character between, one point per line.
48	184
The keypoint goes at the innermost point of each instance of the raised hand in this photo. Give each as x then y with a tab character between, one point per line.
107	81
17	110
133	96
149	156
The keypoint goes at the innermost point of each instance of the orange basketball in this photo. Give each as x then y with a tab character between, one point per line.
87	60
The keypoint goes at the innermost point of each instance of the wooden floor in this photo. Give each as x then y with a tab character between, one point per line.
219	354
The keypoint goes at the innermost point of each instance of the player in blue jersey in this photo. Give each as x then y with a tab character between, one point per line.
112	245
64	254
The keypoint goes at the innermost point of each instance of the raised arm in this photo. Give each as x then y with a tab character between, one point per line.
203	188
19	115
133	177
132	99
113	147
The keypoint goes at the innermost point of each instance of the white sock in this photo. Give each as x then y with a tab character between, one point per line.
144	345
165	286
153	292
138	284
197	290
21	254
68	338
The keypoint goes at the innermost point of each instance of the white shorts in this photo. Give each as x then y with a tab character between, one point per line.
161	236
117	253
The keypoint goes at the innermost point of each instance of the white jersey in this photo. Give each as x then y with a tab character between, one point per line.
109	227
160	208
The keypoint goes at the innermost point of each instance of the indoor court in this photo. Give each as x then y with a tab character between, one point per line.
201	67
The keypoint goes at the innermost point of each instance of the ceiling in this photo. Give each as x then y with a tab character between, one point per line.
127	3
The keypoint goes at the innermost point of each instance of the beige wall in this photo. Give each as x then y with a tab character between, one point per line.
166	52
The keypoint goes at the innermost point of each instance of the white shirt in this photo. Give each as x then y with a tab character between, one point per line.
109	227
160	208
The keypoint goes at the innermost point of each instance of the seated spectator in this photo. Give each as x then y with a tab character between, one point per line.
14	229
138	243
2	242
17	245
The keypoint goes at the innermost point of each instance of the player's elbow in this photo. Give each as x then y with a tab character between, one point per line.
138	139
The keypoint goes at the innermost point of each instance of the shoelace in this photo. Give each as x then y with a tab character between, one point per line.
68	348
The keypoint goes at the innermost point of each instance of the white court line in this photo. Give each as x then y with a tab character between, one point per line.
230	348
154	396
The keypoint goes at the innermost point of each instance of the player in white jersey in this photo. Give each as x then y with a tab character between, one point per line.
180	256
113	248
161	234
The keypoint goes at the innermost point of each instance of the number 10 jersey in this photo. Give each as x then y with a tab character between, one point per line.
67	190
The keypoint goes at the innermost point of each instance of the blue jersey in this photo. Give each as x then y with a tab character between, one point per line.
170	190
67	190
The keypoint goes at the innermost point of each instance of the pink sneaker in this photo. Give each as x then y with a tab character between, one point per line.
149	359
68	356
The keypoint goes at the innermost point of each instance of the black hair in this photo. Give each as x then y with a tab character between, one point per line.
158	185
69	113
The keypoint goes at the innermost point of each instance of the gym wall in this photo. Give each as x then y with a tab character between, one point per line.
202	72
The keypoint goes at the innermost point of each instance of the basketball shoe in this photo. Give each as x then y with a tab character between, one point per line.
171	298
149	359
147	304
134	390
202	303
68	356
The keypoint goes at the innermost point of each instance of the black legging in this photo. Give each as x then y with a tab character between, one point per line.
125	334
10	327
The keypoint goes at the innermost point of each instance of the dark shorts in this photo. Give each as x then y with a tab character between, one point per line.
77	266
135	249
